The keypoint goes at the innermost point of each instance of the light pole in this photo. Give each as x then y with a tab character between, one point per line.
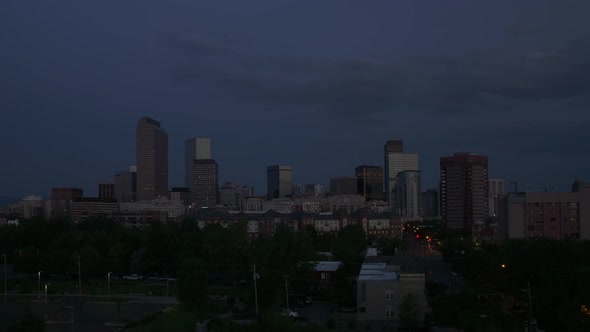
46	301
5	268
71	317
79	283
39	284
109	284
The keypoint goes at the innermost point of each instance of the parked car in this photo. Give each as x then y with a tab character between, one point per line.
133	277
289	313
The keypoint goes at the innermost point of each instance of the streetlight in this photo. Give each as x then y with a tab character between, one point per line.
5	268
46	301
39	284
109	284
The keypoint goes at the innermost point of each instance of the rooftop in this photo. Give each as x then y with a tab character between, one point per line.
376	272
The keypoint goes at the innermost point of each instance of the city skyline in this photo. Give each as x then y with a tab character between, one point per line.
504	80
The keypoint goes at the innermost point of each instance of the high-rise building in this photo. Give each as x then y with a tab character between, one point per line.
198	148
463	190
106	190
205	182
61	201
496	187
370	182
279	181
126	185
230	195
152	160
408	194
430	204
344	185
396	161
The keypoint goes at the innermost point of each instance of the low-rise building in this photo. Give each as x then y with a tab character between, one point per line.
384	283
555	215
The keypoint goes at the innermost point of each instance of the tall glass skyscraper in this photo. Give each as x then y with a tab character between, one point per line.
279	181
152	160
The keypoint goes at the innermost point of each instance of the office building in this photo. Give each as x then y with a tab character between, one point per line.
279	181
408	195
198	148
370	182
106	190
553	215
230	196
496	187
84	208
152	160
205	183
463	190
430	204
396	161
61	201
343	185
126	185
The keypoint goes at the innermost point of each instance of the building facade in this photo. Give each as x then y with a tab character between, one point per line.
553	215
205	177
85	208
279	181
430	204
495	187
396	161
198	148
344	185
106	190
370	182
126	185
463	190
152	160
408	194
61	201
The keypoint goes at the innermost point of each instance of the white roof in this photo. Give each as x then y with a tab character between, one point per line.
327	266
377	272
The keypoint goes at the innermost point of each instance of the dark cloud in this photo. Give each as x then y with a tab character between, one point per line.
441	83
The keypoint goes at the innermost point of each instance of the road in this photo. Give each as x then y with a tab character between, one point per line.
90	316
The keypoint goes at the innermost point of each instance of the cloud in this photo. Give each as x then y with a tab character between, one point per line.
365	86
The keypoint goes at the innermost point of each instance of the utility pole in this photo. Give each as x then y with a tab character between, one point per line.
255	276
286	291
79	283
530	325
5	268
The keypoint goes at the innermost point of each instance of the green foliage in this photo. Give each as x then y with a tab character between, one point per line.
192	283
388	246
409	311
28	323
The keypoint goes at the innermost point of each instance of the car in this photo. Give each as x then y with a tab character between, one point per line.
133	277
289	313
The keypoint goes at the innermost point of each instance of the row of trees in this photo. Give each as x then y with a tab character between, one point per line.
557	271
181	250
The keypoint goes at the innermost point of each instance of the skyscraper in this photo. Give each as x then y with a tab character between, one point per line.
152	160
279	181
408	194
496	187
370	182
61	201
396	161
205	183
344	185
463	190
198	148
126	185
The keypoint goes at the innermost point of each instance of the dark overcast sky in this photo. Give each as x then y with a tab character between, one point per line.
319	85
